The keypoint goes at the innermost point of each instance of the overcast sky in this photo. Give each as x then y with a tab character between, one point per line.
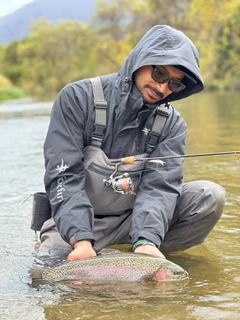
8	6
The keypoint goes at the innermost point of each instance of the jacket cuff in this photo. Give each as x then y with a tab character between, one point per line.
143	242
145	235
74	240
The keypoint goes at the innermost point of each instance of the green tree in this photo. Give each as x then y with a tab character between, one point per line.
10	63
53	56
124	19
214	26
120	24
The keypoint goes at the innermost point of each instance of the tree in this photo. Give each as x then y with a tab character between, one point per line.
214	26
11	65
55	55
129	20
120	24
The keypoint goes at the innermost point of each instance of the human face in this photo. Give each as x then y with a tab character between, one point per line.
152	90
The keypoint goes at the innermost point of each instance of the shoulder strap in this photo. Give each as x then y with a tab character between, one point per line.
100	112
162	113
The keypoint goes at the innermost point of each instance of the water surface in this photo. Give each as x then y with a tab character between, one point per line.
213	291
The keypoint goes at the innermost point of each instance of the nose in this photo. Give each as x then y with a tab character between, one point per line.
163	88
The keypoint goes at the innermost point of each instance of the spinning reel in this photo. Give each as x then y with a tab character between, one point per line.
122	184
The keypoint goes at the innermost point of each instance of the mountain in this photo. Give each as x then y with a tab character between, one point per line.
15	26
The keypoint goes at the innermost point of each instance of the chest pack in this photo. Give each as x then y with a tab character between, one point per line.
112	184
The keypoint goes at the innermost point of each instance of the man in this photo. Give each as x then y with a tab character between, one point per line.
167	215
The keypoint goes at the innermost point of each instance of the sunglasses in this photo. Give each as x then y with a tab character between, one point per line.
162	77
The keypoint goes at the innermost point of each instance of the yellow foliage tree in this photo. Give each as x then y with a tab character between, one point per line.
214	26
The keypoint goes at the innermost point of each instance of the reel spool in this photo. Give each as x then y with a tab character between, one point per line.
122	184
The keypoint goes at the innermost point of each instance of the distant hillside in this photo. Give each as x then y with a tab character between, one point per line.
15	26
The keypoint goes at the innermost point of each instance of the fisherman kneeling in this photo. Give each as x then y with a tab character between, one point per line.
132	116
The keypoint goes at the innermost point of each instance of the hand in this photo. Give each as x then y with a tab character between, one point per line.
148	249
82	249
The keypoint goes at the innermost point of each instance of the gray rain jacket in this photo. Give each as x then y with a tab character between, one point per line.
72	123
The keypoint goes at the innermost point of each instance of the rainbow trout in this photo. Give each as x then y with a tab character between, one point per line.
118	267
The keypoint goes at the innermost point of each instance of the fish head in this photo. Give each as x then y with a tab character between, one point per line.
163	274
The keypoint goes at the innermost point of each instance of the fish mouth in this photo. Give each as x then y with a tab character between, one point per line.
178	276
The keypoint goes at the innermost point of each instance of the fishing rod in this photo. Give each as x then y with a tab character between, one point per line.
123	183
132	159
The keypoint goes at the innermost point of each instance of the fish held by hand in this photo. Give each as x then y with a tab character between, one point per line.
130	267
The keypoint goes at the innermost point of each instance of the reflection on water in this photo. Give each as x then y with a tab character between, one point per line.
213	291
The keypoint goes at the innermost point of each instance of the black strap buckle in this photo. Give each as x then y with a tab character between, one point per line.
163	110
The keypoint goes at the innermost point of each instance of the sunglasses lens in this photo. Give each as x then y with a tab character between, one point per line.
175	86
159	76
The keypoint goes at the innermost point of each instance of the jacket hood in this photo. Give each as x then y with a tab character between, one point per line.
163	45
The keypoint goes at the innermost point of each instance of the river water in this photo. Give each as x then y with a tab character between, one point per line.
213	291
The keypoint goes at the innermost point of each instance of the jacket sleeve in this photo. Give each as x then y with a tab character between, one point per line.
161	187
64	177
